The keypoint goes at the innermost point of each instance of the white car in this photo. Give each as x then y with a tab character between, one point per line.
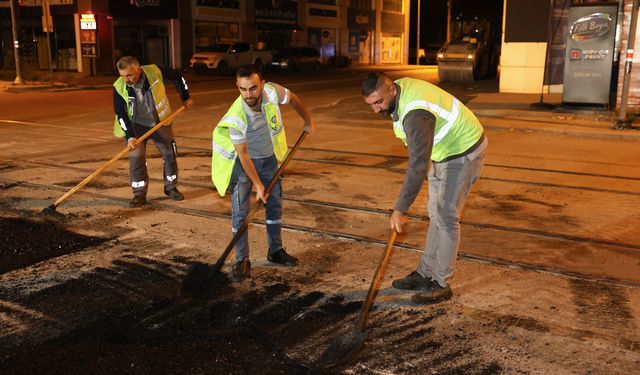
227	57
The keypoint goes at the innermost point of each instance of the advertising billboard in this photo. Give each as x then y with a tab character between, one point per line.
589	54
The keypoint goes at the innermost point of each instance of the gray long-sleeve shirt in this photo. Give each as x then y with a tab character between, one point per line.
419	127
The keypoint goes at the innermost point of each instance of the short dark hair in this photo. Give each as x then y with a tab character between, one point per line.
373	82
127	61
246	71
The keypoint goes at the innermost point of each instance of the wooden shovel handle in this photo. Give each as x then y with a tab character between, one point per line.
256	205
375	283
120	154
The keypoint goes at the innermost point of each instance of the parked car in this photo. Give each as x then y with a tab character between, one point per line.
298	58
227	57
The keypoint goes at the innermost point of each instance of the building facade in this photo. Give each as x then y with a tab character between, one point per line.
360	31
168	32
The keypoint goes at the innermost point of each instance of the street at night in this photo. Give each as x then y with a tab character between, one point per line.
547	278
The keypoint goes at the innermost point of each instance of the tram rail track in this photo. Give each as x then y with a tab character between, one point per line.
205	152
400	158
359	238
354	208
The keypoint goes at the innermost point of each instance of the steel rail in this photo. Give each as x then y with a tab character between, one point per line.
357	238
378	211
401	158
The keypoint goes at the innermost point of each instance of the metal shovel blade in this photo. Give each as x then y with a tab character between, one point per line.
201	276
51	211
343	348
200	279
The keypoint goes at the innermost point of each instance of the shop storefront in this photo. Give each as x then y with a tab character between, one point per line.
211	32
391	47
216	22
32	38
361	23
323	23
276	21
147	29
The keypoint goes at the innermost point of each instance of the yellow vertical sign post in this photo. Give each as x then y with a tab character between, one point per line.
89	37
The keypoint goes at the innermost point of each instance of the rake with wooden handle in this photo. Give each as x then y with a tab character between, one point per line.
51	210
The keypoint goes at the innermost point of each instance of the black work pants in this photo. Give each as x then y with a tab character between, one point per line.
164	142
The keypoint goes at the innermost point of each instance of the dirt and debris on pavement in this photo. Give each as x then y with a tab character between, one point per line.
114	306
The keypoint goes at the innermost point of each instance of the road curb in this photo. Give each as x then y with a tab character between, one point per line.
563	129
26	87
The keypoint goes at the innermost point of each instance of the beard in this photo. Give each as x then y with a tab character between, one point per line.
390	109
252	102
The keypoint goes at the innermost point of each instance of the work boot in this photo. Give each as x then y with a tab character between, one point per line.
434	294
241	270
413	281
137	201
281	257
174	194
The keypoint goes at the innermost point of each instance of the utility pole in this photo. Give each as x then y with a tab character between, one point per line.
46	14
448	21
16	45
622	121
418	36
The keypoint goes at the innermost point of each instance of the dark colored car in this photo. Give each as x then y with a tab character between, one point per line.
297	58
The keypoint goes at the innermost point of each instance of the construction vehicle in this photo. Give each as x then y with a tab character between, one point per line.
471	53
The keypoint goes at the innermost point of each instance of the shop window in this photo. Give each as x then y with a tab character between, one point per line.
208	33
391	49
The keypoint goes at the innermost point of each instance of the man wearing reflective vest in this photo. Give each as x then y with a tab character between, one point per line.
436	127
140	102
248	143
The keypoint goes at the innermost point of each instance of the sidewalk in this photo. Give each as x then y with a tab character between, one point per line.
521	112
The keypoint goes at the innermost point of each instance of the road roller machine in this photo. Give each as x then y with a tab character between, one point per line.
470	55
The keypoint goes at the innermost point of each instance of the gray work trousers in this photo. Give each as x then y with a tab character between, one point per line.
163	140
449	186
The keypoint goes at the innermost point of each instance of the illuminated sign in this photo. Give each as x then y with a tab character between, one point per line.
87	21
591	26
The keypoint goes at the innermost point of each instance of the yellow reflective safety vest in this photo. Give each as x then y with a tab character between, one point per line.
457	128
156	83
223	155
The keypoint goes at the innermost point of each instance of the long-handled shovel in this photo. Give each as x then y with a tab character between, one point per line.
344	347
200	275
51	210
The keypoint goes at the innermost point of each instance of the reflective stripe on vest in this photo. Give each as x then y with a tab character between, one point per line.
449	117
239	123
160	99
456	129
224	155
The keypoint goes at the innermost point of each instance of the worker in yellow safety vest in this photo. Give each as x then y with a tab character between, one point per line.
248	143
140	102
435	127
